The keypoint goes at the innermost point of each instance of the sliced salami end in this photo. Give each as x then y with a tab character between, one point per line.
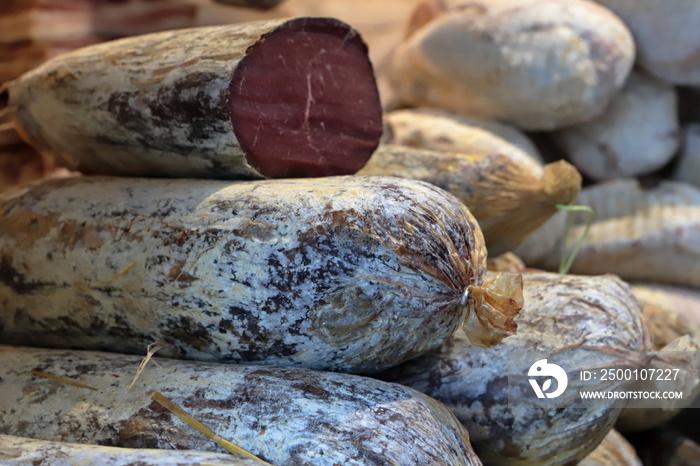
304	101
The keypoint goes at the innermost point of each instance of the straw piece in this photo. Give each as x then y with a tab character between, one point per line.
201	428
62	379
152	348
121	273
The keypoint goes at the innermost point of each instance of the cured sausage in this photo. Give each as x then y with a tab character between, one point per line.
505	197
24	451
576	322
281	98
287	416
344	273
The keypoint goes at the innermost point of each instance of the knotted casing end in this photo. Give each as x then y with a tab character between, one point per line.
492	309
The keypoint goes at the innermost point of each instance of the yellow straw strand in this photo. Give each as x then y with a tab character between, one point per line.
62	380
201	428
152	348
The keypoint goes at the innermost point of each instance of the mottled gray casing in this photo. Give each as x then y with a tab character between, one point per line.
345	273
165	103
287	416
22	451
132	106
577	322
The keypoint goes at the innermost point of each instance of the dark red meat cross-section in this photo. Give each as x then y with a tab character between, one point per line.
304	101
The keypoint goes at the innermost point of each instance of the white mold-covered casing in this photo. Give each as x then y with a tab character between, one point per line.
507	200
345	273
536	64
667	36
206	102
153	103
286	416
445	131
576	322
614	450
637	133
683	303
676	334
22	451
687	168
648	235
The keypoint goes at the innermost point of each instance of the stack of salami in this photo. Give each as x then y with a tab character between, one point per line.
309	261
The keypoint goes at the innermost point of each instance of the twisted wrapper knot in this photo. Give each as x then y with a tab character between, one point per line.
492	308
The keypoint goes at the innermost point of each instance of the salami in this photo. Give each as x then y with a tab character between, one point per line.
434	129
345	273
539	65
21	451
286	416
281	98
576	322
505	197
